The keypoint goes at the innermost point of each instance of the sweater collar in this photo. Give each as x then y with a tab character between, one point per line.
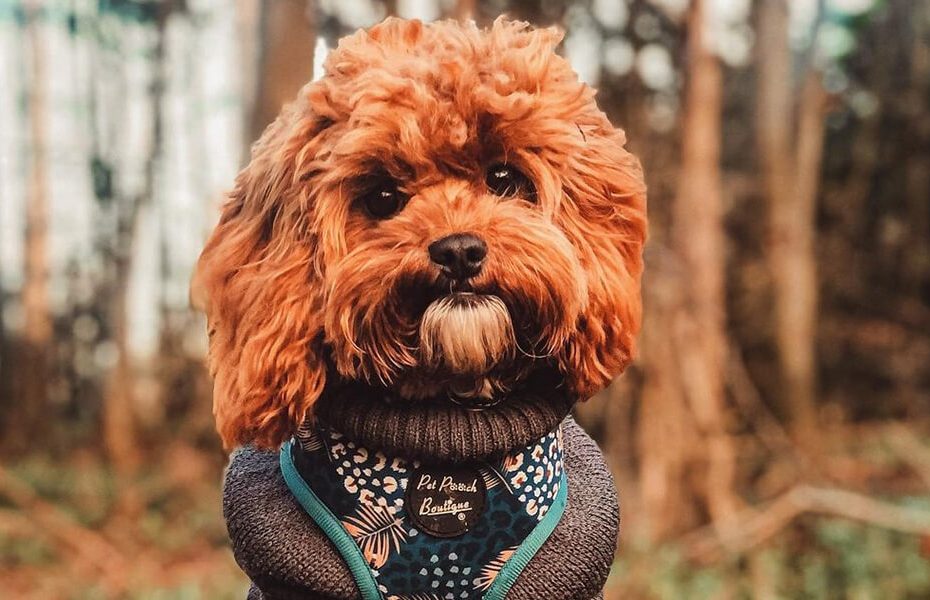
439	429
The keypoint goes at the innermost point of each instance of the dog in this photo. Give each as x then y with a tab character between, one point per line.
434	253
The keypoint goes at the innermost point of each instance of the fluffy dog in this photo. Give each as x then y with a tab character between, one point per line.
443	219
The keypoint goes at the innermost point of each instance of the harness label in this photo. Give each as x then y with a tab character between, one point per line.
445	501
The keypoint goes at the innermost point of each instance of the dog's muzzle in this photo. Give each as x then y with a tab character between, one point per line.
466	333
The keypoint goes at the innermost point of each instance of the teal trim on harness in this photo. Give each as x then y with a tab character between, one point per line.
530	546
330	525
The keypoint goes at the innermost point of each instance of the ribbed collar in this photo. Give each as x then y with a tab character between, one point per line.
439	429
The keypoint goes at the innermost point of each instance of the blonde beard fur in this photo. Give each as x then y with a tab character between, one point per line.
466	334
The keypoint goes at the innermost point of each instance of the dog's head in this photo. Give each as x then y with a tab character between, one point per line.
445	210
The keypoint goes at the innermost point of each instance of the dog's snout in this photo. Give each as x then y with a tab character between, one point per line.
460	255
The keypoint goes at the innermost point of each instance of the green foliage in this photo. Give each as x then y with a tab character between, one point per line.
866	562
818	559
30	552
142	11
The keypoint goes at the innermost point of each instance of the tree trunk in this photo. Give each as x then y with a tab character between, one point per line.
37	325
791	184
699	239
665	433
286	63
120	432
249	30
917	184
119	428
465	10
797	281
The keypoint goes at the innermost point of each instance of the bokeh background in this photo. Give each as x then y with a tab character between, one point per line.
772	440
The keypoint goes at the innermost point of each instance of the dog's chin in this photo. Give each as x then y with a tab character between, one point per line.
465	335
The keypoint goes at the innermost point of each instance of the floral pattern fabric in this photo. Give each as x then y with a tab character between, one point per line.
365	491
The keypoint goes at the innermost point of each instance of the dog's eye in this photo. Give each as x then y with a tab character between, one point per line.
506	180
383	200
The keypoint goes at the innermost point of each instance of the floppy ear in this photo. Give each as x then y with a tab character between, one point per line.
257	280
604	215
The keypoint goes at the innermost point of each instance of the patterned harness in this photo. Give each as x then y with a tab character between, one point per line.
414	531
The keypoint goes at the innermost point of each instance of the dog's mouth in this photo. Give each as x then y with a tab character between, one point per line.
470	343
466	333
467	298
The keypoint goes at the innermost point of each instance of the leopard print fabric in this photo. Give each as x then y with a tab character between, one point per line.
366	491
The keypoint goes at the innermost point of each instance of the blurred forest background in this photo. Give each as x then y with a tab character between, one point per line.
773	439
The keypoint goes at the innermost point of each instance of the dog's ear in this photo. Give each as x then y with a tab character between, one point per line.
257	280
604	215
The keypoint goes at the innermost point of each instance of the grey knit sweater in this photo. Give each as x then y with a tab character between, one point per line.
288	557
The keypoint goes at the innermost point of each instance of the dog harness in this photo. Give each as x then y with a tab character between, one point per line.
415	531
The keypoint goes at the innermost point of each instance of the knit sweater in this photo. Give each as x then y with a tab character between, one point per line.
288	557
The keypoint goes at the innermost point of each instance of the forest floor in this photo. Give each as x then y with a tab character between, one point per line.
69	529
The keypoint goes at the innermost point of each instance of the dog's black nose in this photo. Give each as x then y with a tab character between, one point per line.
460	255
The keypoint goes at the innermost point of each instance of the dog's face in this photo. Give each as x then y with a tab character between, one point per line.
445	211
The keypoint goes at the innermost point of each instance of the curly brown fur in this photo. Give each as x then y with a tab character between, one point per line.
301	284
